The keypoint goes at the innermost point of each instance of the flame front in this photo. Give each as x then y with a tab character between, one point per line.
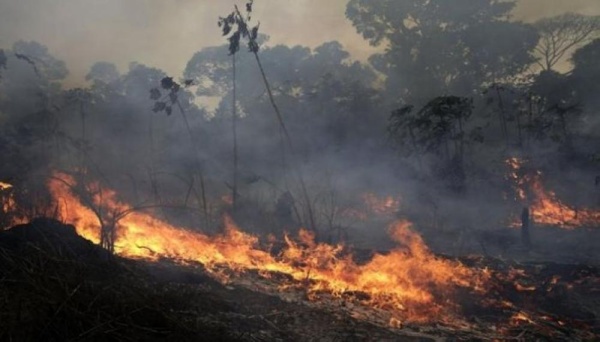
410	281
546	208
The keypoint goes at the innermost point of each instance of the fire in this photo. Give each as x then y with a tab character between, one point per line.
521	317
546	208
381	205
410	282
9	213
4	186
6	197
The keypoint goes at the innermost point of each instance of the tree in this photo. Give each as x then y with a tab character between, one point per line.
102	72
440	129
586	71
29	89
584	79
46	65
561	34
442	47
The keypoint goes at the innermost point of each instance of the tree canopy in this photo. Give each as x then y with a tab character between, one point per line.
443	47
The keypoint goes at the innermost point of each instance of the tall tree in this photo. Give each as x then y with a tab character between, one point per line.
439	129
586	72
442	47
561	34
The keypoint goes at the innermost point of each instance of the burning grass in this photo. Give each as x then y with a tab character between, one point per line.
57	286
546	208
410	281
407	292
70	289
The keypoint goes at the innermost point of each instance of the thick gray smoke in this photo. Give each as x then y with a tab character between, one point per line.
421	112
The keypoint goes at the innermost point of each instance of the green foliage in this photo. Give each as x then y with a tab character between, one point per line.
440	47
587	58
586	71
441	120
238	24
165	103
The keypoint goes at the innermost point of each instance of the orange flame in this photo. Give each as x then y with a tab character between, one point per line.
8	202
410	282
8	206
546	208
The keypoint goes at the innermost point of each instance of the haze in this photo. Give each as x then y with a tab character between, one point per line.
165	34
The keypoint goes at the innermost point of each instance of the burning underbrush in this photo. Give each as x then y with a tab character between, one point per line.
409	281
546	207
407	292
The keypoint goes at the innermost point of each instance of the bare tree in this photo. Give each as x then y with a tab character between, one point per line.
560	34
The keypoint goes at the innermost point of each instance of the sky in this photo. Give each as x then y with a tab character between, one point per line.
166	33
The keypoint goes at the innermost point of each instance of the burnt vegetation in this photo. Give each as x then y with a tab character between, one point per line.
481	130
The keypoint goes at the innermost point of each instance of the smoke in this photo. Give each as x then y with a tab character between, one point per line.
334	111
164	34
532	10
159	33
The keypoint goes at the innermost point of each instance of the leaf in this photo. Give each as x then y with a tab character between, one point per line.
167	83
226	28
159	106
234	43
249	7
253	46
188	82
155	94
168	110
231	18
254	32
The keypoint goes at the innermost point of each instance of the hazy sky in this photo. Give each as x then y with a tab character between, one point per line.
165	33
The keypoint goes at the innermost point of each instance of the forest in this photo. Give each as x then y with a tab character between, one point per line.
469	142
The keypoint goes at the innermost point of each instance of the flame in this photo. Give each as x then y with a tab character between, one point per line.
8	206
410	282
520	317
7	198
4	186
395	323
546	208
381	205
